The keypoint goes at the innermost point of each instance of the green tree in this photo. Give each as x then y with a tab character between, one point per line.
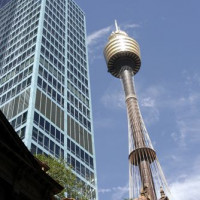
65	177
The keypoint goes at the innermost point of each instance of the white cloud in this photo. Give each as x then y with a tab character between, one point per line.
187	119
188	131
118	193
98	39
101	33
148	102
190	79
114	99
96	42
104	190
182	105
187	187
130	26
97	35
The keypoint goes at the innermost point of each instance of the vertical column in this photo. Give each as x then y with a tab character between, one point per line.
138	137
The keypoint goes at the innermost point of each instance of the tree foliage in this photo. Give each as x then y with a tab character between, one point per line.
65	177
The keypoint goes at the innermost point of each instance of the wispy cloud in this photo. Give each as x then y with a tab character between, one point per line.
118	193
130	26
190	79
101	33
191	185
97	35
105	190
149	100
182	105
188	131
186	186
96	42
114	99
97	39
187	119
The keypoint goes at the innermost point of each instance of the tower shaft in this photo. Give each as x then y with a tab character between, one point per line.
122	54
135	123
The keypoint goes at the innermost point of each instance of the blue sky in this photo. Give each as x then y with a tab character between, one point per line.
167	85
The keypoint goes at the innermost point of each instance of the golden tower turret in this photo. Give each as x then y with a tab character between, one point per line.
122	50
122	55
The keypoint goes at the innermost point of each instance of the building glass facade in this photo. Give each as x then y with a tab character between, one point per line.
44	84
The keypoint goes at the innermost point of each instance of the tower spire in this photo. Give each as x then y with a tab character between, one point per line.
116	26
122	55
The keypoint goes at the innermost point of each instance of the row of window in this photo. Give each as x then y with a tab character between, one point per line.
55	150
24	26
20	47
25	35
50	91
54	26
20	120
78	71
27	12
23	49
49	109
77	48
54	11
81	108
53	37
73	7
77	58
78	152
56	19
15	12
48	128
78	74
21	58
51	80
79	29
78	94
76	18
17	105
78	116
53	50
16	79
14	71
21	132
51	69
52	58
47	143
79	134
77	83
23	85
80	169
17	66
56	6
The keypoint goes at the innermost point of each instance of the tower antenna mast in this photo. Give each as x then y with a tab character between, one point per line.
116	26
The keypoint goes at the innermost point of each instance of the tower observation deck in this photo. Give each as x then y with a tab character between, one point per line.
146	179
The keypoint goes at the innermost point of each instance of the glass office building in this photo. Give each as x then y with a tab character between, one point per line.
44	81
